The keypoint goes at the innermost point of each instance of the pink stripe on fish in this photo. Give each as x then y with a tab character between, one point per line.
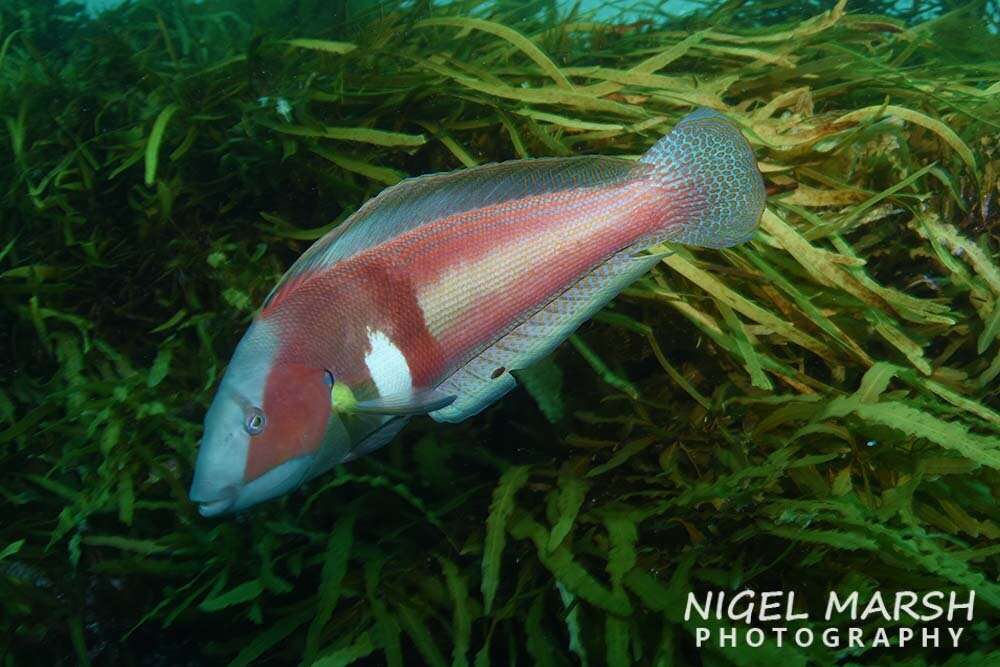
443	291
523	266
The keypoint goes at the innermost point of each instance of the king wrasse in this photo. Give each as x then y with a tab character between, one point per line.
430	298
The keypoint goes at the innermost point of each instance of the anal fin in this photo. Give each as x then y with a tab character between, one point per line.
487	376
378	438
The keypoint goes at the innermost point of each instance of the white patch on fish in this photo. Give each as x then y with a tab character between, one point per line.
387	366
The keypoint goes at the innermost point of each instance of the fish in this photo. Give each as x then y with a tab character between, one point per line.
431	297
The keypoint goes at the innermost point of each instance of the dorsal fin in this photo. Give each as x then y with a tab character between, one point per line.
417	201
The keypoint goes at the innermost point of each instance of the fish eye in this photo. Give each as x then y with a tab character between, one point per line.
328	379
255	421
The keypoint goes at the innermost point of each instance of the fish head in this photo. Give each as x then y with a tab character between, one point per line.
264	428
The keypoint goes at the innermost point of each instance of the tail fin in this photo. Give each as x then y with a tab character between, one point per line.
711	166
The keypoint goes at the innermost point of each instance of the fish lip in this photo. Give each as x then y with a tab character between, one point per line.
215	507
213	504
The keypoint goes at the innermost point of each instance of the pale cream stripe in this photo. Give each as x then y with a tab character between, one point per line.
460	288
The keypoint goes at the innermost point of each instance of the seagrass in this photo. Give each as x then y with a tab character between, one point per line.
817	409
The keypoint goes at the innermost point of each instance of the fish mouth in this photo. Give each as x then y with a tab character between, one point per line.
213	501
216	507
213	504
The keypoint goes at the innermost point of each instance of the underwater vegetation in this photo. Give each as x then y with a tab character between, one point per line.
815	410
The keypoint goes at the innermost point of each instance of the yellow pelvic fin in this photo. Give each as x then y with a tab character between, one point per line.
342	398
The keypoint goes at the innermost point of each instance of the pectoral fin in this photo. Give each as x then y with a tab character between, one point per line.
413	403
